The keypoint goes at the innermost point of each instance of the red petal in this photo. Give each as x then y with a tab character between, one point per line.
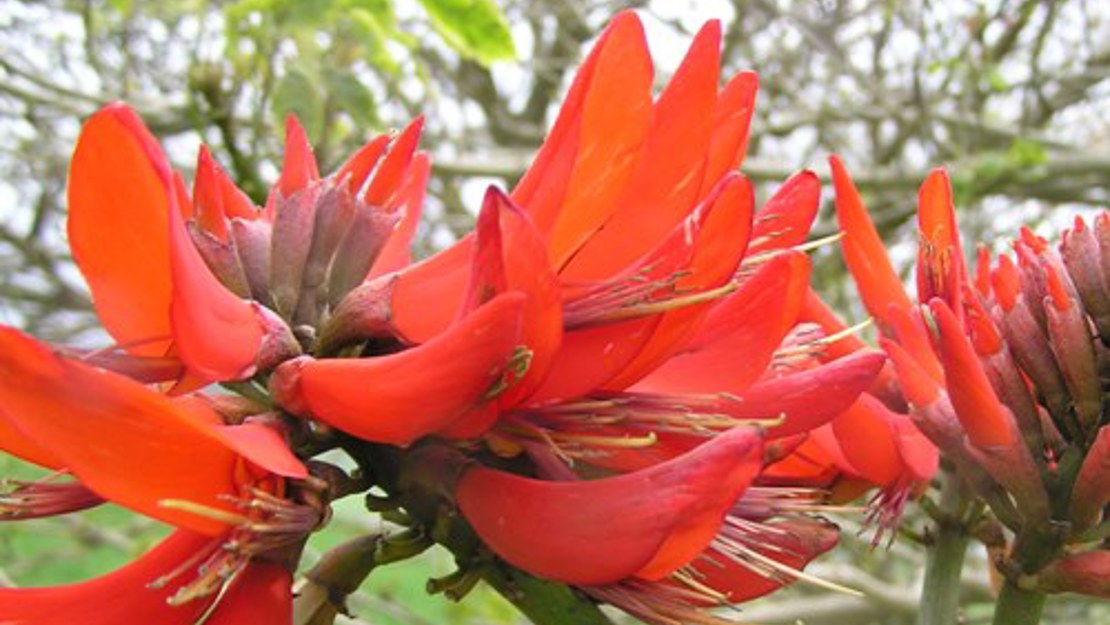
752	321
207	197
16	443
409	201
401	397
716	247
864	252
616	113
784	221
120	196
299	167
808	399
358	167
217	335
940	262
542	188
650	522
588	357
262	594
127	443
122	596
731	122
265	447
667	180
981	413
387	180
864	434
526	269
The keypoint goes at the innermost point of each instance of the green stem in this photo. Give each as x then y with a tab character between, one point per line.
1017	606
940	595
543	602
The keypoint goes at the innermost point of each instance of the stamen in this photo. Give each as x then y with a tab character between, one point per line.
268	524
632	297
746	556
41	498
750	262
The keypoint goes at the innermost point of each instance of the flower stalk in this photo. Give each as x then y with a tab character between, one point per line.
940	594
1018	606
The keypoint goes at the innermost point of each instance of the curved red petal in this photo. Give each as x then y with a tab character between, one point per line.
386	183
785	219
717	235
616	113
542	188
752	321
664	188
299	165
864	252
731	124
864	434
216	334
401	397
807	399
409	202
524	259
650	522
122	596
941	271
977	405
260	595
147	448
120	196
265	447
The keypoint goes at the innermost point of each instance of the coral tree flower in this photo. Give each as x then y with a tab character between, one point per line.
223	486
626	238
654	311
1001	367
212	282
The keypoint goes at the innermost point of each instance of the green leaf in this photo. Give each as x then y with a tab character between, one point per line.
296	93
352	97
477	29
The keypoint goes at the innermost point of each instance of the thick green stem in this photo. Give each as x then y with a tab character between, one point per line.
544	602
940	595
1017	606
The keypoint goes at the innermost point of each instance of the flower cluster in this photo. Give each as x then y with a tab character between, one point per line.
1004	370
625	352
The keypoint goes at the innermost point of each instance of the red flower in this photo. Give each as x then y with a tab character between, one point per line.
653	302
1001	369
171	459
213	282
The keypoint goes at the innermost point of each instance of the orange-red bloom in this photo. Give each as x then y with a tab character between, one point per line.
171	459
213	282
